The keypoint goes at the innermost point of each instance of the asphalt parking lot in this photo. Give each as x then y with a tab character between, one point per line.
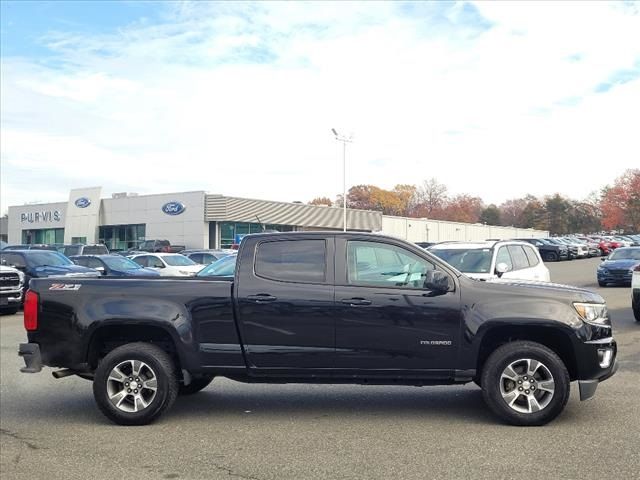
52	429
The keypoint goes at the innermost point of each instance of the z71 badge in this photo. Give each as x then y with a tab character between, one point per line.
65	286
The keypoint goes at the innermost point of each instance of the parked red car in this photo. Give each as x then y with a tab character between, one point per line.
603	245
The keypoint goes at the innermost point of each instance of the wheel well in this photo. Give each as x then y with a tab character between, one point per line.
108	338
551	338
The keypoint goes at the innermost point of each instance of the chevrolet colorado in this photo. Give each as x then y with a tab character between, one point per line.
326	307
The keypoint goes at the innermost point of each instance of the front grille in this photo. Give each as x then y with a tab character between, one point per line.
620	272
9	279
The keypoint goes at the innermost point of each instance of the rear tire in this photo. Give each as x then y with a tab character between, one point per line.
525	383
196	385
135	383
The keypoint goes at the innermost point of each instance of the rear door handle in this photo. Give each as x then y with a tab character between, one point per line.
261	298
354	302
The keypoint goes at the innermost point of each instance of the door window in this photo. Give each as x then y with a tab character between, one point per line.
142	261
155	262
531	255
518	257
292	260
377	264
504	257
94	263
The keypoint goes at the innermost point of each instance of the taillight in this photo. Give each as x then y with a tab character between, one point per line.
31	301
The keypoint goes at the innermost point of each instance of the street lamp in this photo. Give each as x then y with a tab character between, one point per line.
344	139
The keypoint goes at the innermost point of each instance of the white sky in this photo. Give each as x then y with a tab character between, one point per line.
493	99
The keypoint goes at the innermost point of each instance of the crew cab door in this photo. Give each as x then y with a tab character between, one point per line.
386	319
285	298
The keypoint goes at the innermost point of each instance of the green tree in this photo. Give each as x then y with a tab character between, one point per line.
490	215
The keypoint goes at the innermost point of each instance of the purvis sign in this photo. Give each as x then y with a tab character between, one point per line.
43	216
173	208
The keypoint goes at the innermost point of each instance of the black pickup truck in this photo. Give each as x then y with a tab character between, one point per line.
321	308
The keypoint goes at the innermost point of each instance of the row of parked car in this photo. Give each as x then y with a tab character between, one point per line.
20	263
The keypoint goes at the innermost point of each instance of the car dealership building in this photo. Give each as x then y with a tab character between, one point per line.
203	220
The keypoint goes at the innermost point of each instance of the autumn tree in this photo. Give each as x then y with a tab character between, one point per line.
321	201
431	199
620	203
511	212
463	208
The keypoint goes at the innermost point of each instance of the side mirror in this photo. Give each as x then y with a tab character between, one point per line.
437	281
101	270
501	269
602	259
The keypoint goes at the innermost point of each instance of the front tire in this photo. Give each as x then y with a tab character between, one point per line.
195	386
9	311
525	383
551	257
135	383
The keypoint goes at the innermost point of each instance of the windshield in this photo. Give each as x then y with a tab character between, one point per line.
473	260
178	261
120	263
626	254
53	259
225	267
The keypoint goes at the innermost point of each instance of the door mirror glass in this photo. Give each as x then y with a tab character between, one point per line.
436	280
501	268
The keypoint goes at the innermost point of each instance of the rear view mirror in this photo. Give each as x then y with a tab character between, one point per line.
437	281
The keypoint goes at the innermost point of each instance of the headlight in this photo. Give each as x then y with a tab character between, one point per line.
21	276
595	313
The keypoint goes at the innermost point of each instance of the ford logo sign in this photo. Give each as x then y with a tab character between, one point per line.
173	208
82	202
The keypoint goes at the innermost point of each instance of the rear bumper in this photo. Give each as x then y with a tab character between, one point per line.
30	352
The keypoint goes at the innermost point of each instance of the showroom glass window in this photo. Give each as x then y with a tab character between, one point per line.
292	261
229	230
121	237
43	235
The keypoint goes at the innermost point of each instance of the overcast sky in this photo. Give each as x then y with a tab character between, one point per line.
493	99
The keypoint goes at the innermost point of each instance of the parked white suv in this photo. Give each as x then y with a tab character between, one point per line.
491	259
11	285
168	264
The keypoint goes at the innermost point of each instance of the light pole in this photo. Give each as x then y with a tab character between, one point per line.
344	139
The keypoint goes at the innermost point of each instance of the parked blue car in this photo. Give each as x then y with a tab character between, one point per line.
618	266
114	265
42	264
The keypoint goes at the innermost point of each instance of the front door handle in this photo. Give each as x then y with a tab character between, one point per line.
261	298
354	302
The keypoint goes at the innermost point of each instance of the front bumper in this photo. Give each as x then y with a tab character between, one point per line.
32	358
597	362
614	277
10	298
